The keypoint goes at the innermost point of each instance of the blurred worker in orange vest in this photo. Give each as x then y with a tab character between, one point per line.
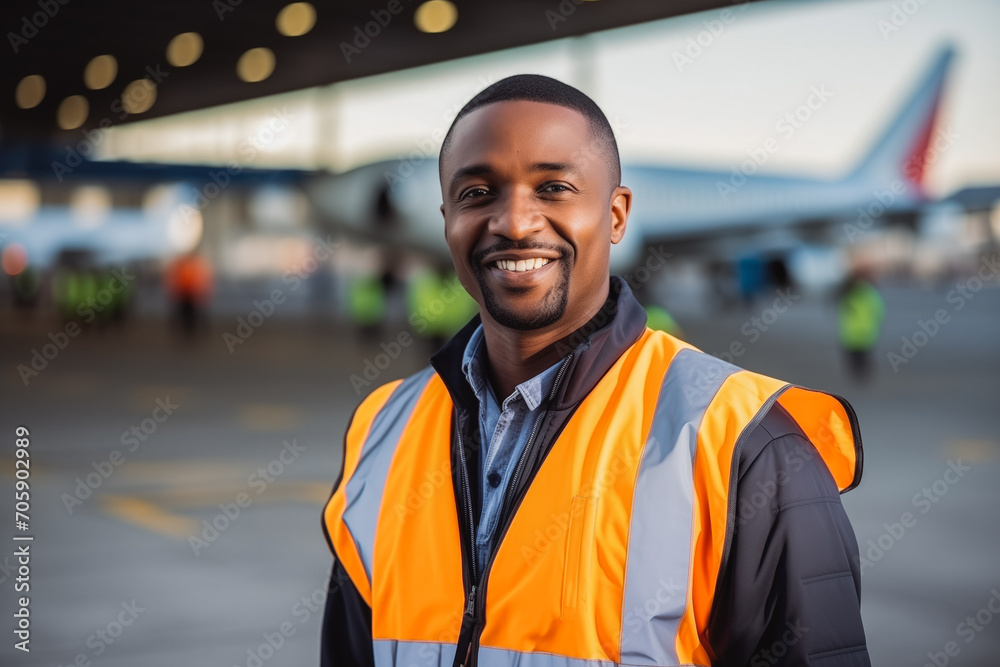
188	282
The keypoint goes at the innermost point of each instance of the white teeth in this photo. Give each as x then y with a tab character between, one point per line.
521	265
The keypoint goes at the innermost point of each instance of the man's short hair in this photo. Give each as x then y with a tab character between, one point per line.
538	88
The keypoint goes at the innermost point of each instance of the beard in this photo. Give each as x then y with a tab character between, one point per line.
553	304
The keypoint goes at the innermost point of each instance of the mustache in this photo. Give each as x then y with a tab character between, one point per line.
504	245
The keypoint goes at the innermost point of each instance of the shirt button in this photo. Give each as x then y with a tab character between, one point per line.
494	479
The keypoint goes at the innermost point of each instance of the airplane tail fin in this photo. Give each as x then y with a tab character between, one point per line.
902	148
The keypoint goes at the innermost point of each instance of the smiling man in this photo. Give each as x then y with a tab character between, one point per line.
563	486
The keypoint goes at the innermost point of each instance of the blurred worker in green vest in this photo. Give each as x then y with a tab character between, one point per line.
860	312
658	319
439	306
72	290
90	295
366	304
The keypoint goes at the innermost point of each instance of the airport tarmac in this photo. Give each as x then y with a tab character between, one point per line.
124	572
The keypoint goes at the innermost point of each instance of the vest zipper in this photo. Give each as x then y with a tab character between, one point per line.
463	651
467	505
472	626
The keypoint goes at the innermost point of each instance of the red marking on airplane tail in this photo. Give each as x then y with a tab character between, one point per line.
915	166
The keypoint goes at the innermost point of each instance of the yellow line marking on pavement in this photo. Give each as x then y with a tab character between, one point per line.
149	516
143	397
269	417
275	492
148	512
9	467
973	451
186	471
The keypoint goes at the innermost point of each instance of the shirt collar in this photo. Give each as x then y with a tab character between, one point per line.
533	391
472	363
593	349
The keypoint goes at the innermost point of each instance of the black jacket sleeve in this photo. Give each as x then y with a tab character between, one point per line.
347	624
790	591
347	619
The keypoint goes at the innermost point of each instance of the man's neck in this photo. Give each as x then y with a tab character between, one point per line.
518	355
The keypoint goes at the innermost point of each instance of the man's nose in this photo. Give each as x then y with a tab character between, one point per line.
517	216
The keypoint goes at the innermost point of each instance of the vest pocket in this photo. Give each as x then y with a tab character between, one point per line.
577	564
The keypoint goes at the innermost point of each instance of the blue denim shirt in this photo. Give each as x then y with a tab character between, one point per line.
503	430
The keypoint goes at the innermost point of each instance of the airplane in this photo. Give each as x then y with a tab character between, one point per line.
171	222
396	202
109	235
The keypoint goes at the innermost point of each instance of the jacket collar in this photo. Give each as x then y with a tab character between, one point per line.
595	347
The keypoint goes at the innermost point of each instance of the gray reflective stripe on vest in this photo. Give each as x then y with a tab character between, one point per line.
392	653
361	509
659	549
496	657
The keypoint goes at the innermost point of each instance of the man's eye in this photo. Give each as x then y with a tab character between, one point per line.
555	187
473	193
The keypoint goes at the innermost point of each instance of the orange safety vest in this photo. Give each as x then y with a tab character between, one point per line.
613	555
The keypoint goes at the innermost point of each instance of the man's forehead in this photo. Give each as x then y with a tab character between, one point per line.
528	123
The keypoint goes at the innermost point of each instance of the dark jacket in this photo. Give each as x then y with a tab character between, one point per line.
790	588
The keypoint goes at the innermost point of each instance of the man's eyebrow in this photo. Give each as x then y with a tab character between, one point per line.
556	166
471	170
481	169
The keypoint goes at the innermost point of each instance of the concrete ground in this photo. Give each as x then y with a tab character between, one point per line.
117	578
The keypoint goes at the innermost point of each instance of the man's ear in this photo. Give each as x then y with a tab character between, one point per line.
621	205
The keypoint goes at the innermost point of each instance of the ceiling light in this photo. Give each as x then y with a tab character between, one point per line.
139	96
185	228
185	49
296	19
90	206
30	91
255	65
100	72
19	202
436	16
72	112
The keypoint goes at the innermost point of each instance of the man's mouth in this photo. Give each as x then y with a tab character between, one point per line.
521	265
